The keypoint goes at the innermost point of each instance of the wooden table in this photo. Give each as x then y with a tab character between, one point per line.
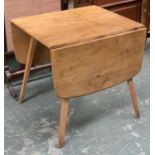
90	49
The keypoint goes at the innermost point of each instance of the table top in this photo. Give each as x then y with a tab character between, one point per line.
69	27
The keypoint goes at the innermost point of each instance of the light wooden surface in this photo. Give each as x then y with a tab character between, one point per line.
96	65
90	49
29	59
63	121
21	44
65	28
73	26
133	97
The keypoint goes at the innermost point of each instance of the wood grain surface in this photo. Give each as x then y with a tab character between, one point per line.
75	25
89	67
90	49
21	44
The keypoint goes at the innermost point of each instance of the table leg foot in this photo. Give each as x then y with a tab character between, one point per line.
63	121
134	97
29	59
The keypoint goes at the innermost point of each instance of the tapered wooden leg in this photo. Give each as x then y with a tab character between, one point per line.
63	121
134	97
29	59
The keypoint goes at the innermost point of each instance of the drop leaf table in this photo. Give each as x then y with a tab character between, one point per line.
90	49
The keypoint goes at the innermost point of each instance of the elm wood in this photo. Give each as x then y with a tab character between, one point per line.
134	97
98	64
86	61
79	70
21	43
101	23
31	51
63	121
